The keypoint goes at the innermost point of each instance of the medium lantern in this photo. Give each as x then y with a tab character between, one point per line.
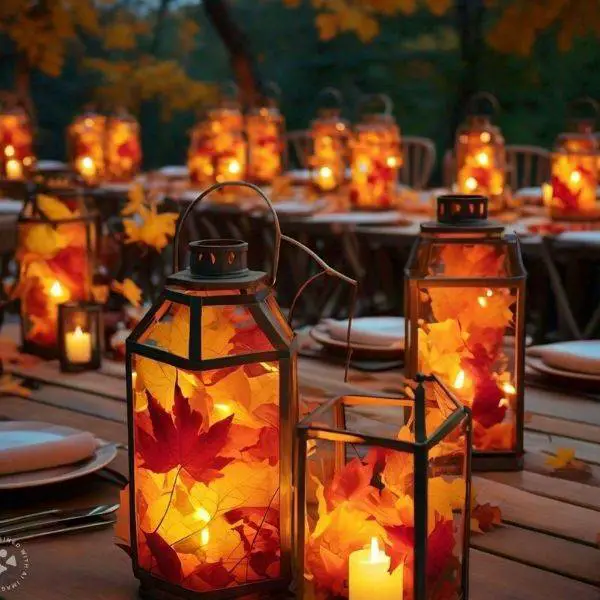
376	159
79	336
329	136
212	405
265	129
86	141
383	499
16	144
465	293
574	170
123	151
218	148
481	155
56	251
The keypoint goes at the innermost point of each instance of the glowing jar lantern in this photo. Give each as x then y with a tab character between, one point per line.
79	336
329	136
465	294
56	250
383	502
16	144
376	157
218	148
574	173
481	156
264	131
122	149
212	404
86	143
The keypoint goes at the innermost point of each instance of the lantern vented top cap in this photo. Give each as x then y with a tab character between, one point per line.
218	258
455	209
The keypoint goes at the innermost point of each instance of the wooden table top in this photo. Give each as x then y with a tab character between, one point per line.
547	547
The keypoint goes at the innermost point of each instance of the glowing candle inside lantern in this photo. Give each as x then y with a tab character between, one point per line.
575	177
459	381
546	194
370	577
58	293
86	167
9	150
471	184
14	169
483	159
234	167
79	346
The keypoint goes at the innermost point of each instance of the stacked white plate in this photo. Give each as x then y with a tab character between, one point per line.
578	360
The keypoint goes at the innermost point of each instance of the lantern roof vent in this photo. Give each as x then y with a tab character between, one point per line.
462	211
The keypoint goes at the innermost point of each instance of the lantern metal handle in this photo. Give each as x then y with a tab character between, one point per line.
210	190
476	99
331	92
386	101
585	101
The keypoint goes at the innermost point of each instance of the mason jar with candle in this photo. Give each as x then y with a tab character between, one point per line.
56	252
79	336
16	144
86	144
376	158
264	130
481	155
465	322
384	496
123	149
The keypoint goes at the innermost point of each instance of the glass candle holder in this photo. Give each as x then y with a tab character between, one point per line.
383	499
56	251
86	144
16	145
123	151
264	130
481	158
79	336
376	160
465	322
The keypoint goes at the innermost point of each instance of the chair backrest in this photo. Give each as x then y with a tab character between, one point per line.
298	148
527	166
419	159
449	169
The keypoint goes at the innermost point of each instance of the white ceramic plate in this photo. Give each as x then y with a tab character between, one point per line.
537	364
320	334
174	171
45	432
384	332
10	207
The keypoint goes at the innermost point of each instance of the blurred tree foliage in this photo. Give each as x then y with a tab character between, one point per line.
159	57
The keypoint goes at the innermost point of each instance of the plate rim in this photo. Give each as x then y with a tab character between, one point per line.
537	363
320	336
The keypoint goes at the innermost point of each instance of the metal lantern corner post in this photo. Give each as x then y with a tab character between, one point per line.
383	503
212	403
465	322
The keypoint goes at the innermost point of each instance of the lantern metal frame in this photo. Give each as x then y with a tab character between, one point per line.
93	316
340	435
458	225
90	221
284	353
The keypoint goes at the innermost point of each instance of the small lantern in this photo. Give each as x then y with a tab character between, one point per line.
574	171
211	379
86	141
465	293
329	135
16	144
79	336
264	129
123	151
218	148
56	250
481	156
376	159
383	497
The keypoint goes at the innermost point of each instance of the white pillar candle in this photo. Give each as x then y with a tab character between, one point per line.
14	170
79	346
370	577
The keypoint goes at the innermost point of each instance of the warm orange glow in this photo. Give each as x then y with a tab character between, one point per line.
483	159
489	293
482	301
14	169
202	514
503	402
234	167
509	388
224	409
78	346
471	184
56	290
376	553
459	381
575	177
204	537
392	162
326	172
9	150
485	137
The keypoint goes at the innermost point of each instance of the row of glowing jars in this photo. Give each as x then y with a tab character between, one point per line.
105	148
227	147
16	144
574	173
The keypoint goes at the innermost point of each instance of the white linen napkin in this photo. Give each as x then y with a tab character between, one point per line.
370	331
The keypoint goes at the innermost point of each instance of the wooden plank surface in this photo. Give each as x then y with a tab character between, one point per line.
546	547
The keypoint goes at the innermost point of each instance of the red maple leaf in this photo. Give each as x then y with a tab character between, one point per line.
353	482
440	549
487	516
167	561
267	446
214	575
250	339
179	440
563	193
400	550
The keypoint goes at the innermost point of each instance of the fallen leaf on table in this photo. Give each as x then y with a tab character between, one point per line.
9	353
9	386
485	517
565	459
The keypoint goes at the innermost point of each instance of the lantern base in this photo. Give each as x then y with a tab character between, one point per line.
497	461
44	352
71	368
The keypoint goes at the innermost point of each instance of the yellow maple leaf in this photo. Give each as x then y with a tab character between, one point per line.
129	290
563	459
135	199
42	240
152	229
53	208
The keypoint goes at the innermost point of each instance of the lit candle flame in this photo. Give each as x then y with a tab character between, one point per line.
202	514
56	291
471	183
9	150
375	551
204	537
483	159
509	388
489	293
482	301
575	177
326	172
234	167
391	162
459	382
78	332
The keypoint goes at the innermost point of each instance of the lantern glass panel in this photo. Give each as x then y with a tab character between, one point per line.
357	485
264	129
329	135
574	175
16	145
123	151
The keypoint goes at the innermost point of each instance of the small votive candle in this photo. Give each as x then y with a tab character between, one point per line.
14	169
78	345
370	577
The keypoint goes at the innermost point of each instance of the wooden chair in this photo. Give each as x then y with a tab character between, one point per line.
528	166
298	149
419	159
448	169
